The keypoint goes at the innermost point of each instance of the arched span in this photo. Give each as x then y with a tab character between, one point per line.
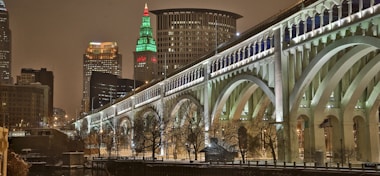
373	102
124	125
124	120
179	101
142	113
232	85
182	99
360	83
336	73
322	57
243	98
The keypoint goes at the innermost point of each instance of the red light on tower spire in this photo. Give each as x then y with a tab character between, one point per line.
146	11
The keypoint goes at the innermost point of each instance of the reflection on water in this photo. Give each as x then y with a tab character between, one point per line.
67	172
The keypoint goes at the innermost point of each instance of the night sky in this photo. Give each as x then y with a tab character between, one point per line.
54	34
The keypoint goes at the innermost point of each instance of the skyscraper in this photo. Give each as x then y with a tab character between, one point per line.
145	56
5	46
185	34
102	57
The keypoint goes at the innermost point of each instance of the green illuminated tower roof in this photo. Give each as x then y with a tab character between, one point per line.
146	41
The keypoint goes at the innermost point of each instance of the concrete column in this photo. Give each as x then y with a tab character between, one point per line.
282	98
206	95
372	139
133	125
163	114
347	137
293	140
308	149
317	137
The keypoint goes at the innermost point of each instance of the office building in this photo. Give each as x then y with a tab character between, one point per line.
24	106
5	46
186	34
101	57
29	76
106	88
145	56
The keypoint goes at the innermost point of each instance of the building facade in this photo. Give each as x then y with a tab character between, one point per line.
105	88
101	57
60	118
5	46
4	150
185	34
145	56
30	76
24	106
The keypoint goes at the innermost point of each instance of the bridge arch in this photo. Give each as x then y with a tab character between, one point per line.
321	59
361	82
177	106
144	112
373	102
224	94
243	98
124	125
124	131
337	72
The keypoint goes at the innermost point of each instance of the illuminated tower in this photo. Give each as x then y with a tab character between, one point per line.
145	57
5	46
102	57
186	34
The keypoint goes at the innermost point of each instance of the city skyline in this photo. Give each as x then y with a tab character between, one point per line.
54	35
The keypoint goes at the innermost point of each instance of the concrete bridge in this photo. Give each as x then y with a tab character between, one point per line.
311	72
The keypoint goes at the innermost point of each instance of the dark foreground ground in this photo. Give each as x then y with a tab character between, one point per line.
56	171
161	168
157	168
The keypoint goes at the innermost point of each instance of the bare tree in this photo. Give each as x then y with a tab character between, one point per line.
344	154
175	140
148	132
254	137
243	141
194	133
350	153
139	137
269	139
195	138
123	135
153	133
108	140
229	134
91	141
254	148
